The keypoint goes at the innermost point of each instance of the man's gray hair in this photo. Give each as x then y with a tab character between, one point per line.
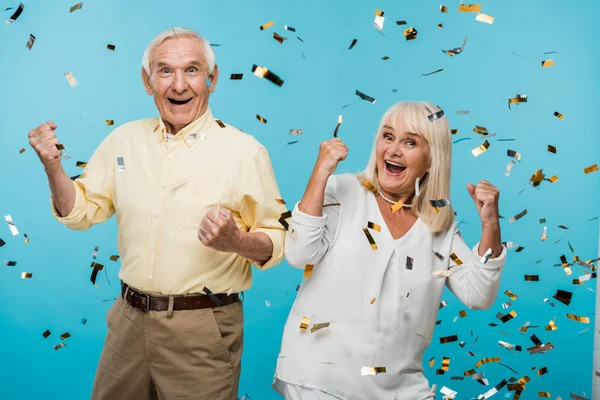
209	54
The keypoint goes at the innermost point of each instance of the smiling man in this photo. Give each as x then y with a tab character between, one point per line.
195	202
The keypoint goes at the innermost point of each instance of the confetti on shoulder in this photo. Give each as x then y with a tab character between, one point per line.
372	370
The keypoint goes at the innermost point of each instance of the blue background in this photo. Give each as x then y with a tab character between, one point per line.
321	76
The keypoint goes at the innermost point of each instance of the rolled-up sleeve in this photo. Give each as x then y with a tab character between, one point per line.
310	237
474	282
259	208
93	192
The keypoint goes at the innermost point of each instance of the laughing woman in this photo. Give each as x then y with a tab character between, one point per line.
382	255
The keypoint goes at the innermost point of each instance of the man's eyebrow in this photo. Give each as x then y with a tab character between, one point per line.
161	64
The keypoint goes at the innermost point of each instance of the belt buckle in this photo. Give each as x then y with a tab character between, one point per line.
147	302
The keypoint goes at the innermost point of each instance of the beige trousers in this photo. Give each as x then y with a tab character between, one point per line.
194	355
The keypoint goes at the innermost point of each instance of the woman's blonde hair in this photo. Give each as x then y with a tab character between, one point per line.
436	183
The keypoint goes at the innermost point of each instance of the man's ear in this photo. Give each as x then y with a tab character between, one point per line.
147	82
214	77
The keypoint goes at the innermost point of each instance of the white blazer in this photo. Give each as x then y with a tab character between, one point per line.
381	313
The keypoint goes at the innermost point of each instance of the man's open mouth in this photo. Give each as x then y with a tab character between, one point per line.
179	102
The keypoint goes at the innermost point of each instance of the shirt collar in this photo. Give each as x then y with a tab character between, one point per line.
190	134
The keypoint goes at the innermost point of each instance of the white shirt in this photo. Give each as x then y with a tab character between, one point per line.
381	313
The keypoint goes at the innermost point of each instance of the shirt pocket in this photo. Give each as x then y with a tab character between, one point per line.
195	197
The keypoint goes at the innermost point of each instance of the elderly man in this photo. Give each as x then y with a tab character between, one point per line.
196	204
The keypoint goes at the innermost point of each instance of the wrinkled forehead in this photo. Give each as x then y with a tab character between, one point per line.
179	51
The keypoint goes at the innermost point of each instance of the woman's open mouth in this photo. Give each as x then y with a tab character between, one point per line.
179	102
394	168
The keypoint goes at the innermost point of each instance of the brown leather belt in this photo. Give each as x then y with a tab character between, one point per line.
147	302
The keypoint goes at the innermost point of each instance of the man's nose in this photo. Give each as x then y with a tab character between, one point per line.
179	82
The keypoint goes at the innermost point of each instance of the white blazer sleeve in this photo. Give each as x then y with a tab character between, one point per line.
475	283
310	237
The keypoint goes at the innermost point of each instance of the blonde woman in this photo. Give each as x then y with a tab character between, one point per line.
383	244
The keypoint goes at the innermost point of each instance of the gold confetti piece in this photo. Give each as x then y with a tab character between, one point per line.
385	58
46	334
114	258
372	370
542	371
462	313
487	360
280	201
373	300
511	295
584	320
59	346
22	150
544	394
445	363
518	216
552	149
11	225
444	9
455	258
532	278
441	273
547	63
519	98
110	122
71	79
432	362
365	97
436	115
15	15
283	217
410	33
507	317
236	77
481	149
590	169
379	19
65	335
308	269
551	326
278	37
482	130
318	327
76	7
397	206
26	275
374	226
30	42
110	47
433	72
456	50
370	238
263	72
261	119
337	127
267	25
409	263
488	19
26	239
448	339
553	179
509	166
305	323
514	154
469	8
558	115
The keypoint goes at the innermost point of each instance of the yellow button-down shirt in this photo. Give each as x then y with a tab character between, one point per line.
161	188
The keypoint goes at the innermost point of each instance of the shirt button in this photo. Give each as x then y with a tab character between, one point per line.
150	277
163	185
152	247
170	156
156	215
